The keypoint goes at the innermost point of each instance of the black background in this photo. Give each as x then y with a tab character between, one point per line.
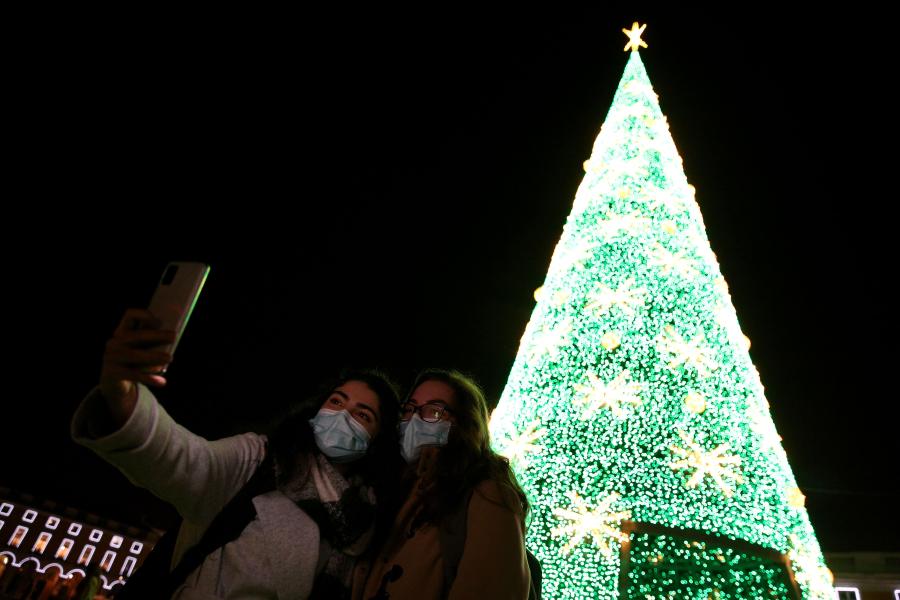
378	188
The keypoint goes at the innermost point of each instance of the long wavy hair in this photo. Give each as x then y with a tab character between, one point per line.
467	459
292	436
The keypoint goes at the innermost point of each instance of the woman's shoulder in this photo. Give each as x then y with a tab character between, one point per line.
490	489
490	492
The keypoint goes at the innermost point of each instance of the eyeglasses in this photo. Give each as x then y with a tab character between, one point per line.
430	413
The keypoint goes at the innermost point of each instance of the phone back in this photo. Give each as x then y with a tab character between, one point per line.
175	296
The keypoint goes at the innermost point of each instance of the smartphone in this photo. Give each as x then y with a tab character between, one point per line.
175	297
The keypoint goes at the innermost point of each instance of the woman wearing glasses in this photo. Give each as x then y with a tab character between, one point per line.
459	532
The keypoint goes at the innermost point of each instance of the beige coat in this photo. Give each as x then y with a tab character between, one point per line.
493	563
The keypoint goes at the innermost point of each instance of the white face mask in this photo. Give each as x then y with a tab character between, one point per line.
339	436
415	434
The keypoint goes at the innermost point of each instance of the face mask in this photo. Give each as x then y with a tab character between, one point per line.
416	433
339	436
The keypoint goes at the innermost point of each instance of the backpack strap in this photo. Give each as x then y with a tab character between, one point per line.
452	535
534	567
153	580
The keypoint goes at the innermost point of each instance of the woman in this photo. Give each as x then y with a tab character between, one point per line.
284	517
459	532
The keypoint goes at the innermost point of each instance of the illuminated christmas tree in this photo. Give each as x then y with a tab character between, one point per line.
633	414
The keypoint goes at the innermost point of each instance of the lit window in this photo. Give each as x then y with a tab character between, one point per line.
108	559
74	529
116	541
5	509
29	516
52	522
847	593
64	548
18	535
41	544
128	567
86	555
136	547
96	535
896	594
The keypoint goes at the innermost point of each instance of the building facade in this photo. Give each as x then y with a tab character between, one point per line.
865	575
62	542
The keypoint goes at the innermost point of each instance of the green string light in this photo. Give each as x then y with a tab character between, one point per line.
633	397
664	567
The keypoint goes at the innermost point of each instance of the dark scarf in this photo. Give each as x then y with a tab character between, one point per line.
344	510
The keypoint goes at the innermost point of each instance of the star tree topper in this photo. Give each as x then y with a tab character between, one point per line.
635	42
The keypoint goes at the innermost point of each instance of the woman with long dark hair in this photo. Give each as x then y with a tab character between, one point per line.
460	526
279	516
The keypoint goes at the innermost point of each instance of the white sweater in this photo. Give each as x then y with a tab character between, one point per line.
276	555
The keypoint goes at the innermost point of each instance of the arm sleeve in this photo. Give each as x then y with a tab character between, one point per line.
196	476
493	563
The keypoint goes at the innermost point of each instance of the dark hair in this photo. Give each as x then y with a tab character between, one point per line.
293	435
468	459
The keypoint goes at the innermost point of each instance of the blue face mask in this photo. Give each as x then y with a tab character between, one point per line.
416	434
339	436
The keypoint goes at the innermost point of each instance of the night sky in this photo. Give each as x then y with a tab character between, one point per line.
389	191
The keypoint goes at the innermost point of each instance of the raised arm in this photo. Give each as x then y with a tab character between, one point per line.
122	421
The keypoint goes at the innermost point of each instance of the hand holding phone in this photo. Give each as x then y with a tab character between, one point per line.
142	345
131	357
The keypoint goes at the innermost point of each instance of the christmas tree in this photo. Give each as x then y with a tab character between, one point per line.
633	414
